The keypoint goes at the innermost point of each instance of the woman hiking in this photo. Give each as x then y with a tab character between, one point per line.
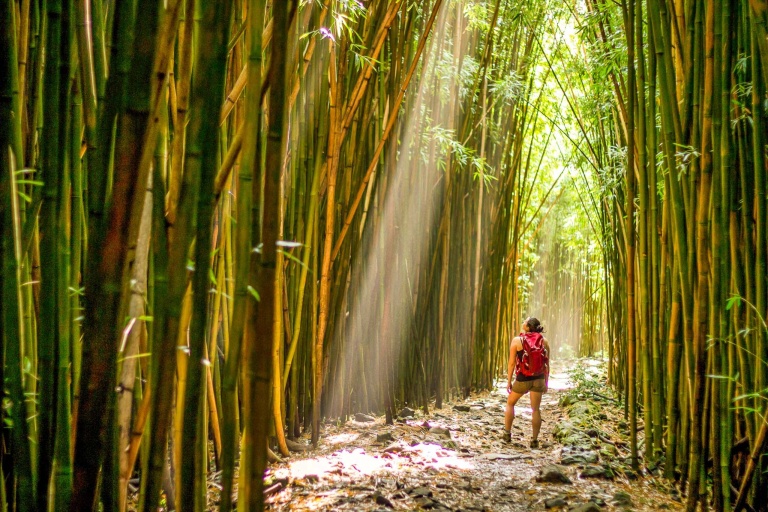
529	362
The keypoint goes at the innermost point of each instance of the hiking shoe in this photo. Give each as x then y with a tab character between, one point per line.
534	443
507	436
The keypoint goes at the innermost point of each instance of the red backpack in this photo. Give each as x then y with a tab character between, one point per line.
533	359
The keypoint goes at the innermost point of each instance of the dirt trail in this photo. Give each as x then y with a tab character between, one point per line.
455	459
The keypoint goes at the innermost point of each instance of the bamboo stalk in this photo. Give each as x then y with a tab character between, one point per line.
207	89
11	325
246	185
262	271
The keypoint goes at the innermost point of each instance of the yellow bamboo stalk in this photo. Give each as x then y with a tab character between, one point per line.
325	276
182	358
277	343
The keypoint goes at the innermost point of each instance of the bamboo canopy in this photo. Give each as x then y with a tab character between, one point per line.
226	223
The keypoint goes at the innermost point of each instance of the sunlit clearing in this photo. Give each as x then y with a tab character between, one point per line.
358	462
560	381
341	438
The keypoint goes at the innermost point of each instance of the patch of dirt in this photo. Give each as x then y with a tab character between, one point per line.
455	459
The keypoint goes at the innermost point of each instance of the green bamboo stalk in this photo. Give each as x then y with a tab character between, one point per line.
761	211
162	394
718	315
242	250
51	166
11	325
201	164
262	271
698	447
70	134
726	224
303	277
85	46
99	161
629	8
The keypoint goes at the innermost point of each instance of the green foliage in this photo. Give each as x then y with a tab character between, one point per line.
589	377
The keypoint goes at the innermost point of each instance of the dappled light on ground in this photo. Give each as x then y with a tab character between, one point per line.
341	439
359	461
559	381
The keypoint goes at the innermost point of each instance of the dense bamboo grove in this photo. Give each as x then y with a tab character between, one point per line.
226	222
201	207
686	239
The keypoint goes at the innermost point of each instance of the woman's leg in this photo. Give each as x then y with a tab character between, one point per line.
509	415
536	408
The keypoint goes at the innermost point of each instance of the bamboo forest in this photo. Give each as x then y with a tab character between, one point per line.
299	254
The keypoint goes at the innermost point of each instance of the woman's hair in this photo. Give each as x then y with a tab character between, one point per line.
534	325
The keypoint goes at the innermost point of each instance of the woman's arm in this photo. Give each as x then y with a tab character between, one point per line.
512	360
546	347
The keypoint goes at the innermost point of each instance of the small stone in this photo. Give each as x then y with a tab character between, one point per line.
393	448
420	492
426	425
631	474
364	418
440	431
407	412
597	500
424	502
597	472
555	502
461	408
311	478
577	455
581	411
622	499
385	437
586	507
576	459
383	500
553	474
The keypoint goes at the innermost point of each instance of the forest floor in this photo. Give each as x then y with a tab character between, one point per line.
455	458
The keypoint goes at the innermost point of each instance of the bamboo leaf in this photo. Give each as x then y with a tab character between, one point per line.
734	300
295	260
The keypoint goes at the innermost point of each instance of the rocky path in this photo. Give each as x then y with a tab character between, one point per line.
455	459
